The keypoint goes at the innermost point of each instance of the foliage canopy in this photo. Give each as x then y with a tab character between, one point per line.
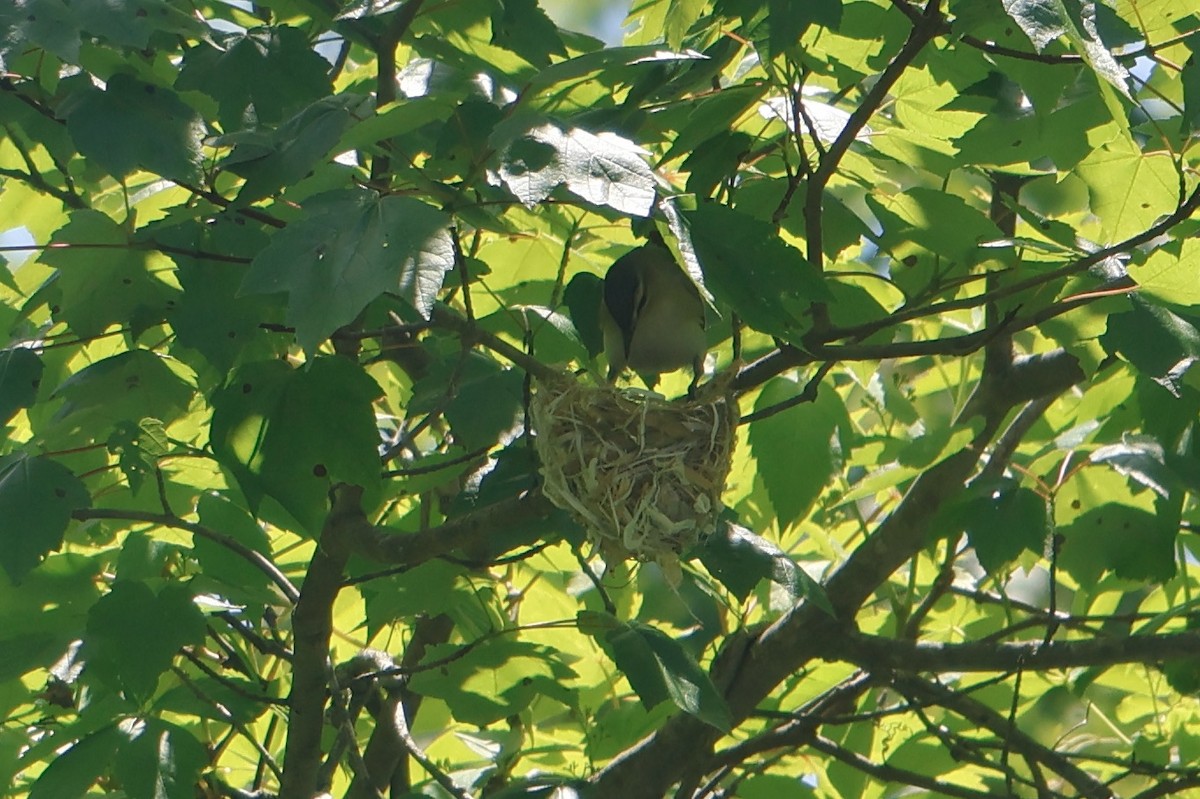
281	274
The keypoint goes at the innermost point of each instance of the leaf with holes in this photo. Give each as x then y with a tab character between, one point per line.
37	497
292	433
134	125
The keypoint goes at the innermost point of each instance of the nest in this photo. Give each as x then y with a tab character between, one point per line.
643	475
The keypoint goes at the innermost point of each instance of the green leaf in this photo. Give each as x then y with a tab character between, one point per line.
133	23
256	77
284	156
605	169
103	277
1130	189
158	760
807	428
1141	459
582	297
20	376
134	125
292	434
481	400
1131	542
490	681
208	315
523	27
242	580
1002	519
49	24
1169	274
740	559
37	497
138	448
608	169
73	772
936	222
659	668
133	635
1190	78
130	385
610	59
789	20
351	247
749	268
1044	21
42	615
1160	344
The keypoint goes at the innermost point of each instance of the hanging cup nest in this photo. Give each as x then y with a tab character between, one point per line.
643	475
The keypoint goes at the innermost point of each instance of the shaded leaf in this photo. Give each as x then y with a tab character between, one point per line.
133	635
270	161
1160	344
158	760
1141	459
256	419
740	559
130	385
256	77
73	772
1131	542
351	247
132	23
20	376
1002	519
49	24
37	497
659	668
523	27
808	429
134	125
216	561
748	267
481	400
103	277
138	446
789	20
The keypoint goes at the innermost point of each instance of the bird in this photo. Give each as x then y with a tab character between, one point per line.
652	317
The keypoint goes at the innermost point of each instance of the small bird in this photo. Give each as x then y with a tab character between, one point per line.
652	317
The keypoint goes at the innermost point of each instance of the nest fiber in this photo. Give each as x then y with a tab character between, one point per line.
643	475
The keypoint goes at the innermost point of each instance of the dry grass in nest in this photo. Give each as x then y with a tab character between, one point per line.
643	475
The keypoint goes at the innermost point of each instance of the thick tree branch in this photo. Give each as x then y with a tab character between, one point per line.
387	546
312	626
887	653
649	768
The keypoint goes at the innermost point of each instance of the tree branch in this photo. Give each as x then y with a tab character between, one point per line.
312	626
924	29
648	768
887	653
257	559
983	716
388	546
